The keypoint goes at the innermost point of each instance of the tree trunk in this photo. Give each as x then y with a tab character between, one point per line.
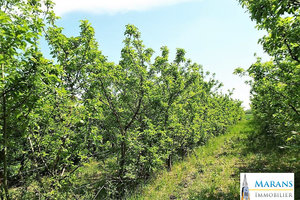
123	154
5	185
121	186
169	162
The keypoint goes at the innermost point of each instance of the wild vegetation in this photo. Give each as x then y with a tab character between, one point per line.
59	115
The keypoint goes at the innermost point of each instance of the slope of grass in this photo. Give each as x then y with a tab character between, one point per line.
212	172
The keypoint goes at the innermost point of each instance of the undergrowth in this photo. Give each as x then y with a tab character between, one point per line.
212	172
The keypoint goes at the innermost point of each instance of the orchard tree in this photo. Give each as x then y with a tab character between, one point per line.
132	118
22	78
275	84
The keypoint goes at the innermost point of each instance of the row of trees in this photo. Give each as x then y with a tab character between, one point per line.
132	118
276	83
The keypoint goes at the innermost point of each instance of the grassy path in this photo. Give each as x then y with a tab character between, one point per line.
212	172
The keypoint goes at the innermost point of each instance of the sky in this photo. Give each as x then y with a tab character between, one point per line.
217	34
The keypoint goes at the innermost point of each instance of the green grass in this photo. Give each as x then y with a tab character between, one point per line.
212	172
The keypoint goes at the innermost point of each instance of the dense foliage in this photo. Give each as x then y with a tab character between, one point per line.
58	115
276	84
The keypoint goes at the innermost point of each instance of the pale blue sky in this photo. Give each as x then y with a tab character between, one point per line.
215	33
